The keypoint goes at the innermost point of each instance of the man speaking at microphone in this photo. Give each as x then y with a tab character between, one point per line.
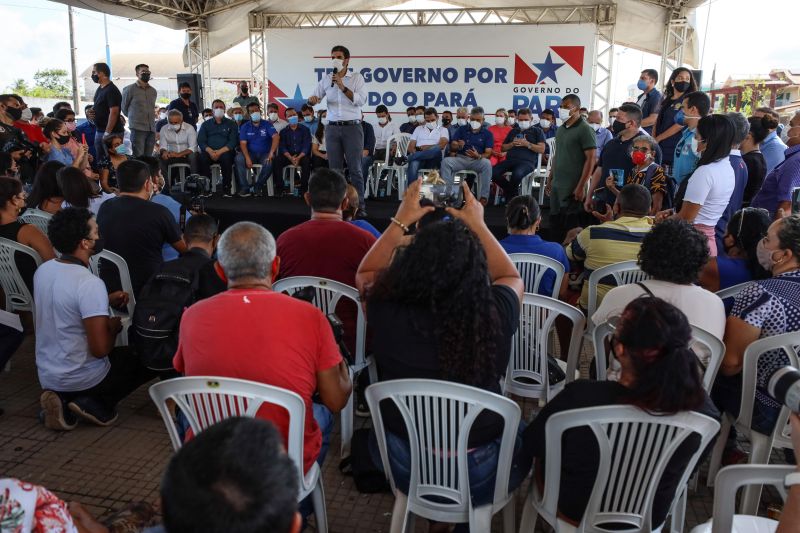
344	136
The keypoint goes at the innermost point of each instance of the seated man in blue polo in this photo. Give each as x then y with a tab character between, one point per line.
523	147
258	141
294	150
473	145
427	143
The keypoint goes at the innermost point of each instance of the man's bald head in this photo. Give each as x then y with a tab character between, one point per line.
595	117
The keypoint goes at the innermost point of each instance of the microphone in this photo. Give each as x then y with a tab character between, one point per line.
335	70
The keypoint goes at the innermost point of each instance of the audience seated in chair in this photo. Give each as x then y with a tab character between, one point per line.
426	145
46	193
217	140
268	337
319	153
386	130
77	190
178	142
350	211
258	141
523	146
659	375
499	130
472	145
80	370
443	307
201	236
294	150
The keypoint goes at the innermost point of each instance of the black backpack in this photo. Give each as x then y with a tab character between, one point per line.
159	308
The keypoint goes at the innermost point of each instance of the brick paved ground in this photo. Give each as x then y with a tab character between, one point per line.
106	468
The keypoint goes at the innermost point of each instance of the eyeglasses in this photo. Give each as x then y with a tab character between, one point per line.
642	149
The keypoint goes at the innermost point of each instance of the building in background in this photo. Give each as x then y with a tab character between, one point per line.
780	90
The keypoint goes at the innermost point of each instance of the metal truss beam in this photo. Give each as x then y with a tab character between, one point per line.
602	67
199	54
181	9
258	61
676	36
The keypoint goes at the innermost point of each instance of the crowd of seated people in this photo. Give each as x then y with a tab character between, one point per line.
442	300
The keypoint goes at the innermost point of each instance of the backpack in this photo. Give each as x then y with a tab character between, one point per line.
159	308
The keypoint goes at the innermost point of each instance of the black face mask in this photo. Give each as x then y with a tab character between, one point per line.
63	139
95	78
14	113
446	121
244	90
186	96
618	127
681	86
145	77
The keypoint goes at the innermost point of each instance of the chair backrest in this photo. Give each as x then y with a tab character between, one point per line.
623	273
527	373
438	416
731	292
18	296
551	144
786	343
122	268
635	449
401	142
732	478
327	294
710	357
206	400
37	217
532	268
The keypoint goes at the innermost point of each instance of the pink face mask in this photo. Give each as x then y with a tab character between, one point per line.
71	126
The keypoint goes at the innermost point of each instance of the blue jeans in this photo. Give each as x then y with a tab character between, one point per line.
242	180
142	142
431	158
366	163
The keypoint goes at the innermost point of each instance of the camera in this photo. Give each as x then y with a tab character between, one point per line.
197	185
434	191
784	386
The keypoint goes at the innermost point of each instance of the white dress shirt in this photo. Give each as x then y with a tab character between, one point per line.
426	137
384	133
279	124
178	141
340	107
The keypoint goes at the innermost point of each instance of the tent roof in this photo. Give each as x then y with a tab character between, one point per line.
640	23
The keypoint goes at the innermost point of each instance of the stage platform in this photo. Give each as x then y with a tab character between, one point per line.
280	214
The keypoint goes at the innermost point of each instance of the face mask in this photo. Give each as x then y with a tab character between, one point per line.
292	120
337	64
308	118
765	256
595	127
63	139
238	117
785	134
144	76
98	245
447	121
162	116
255	117
559	122
14	113
245	90
430	125
544	123
694	146
71	126
219	112
420	119
617	127
611	120
641	85
208	117
499	121
412	119
564	114
382	120
462	122
474	124
638	158
273	117
324	121
176	127
27	115
511	121
186	96
121	149
524	124
95	78
681	86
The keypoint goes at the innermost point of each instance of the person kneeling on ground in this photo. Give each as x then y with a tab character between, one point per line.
80	370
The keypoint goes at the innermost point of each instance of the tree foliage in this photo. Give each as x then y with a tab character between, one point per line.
48	83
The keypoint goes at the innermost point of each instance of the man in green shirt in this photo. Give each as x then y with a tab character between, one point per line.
572	166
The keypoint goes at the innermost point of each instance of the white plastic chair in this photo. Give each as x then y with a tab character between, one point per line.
623	273
18	296
216	177
327	294
532	268
635	449
183	169
462	175
125	280
393	171
527	373
290	172
731	292
536	179
37	217
438	416
713	348
760	445
728	481
208	400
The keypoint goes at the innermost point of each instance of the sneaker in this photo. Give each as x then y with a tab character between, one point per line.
93	410
244	194
362	408
55	415
227	194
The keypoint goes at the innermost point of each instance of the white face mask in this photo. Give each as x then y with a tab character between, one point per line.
462	122
27	115
694	146
564	114
412	119
420	119
595	127
559	122
499	120
337	64
765	256
382	120
524	124
175	127
511	121
784	133
431	125
273	117
219	112
324	121
162	115
544	123
474	124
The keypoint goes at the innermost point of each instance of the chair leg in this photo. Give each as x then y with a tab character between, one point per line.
347	426
509	516
320	514
373	372
402	520
759	455
679	513
480	519
529	514
719	448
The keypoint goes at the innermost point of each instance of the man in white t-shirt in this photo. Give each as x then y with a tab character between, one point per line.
427	143
79	369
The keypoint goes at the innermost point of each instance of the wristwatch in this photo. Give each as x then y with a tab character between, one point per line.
792	479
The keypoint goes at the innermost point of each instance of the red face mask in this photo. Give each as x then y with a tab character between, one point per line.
638	158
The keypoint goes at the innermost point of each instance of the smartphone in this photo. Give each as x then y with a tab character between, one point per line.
619	177
83	138
599	200
439	196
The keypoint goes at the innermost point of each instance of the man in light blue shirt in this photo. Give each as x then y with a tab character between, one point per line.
772	148
604	135
696	105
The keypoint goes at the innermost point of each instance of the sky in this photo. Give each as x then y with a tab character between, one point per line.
36	37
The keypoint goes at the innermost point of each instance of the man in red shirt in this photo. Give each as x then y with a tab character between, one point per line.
250	332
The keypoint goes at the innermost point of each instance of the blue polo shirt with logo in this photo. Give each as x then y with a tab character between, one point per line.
257	136
685	159
479	140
